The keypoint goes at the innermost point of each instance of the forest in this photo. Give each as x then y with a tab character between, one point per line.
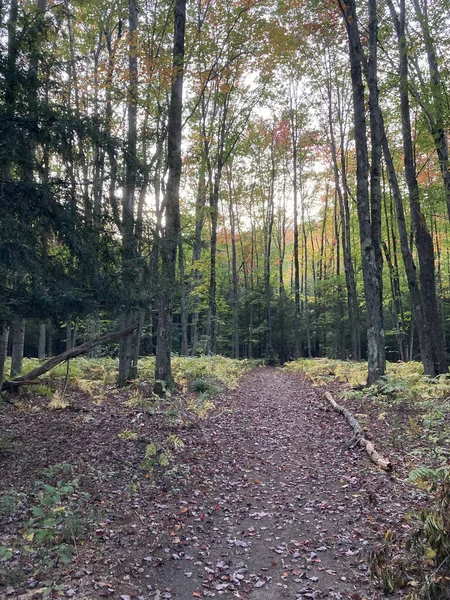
216	195
272	184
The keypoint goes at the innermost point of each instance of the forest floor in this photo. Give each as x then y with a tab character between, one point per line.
264	499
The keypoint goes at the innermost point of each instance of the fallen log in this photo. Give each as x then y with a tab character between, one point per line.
27	379
358	435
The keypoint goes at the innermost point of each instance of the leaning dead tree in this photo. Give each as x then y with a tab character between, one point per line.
358	435
28	378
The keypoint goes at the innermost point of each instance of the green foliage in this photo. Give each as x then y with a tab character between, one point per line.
162	453
205	387
59	401
43	390
128	434
431	540
137	400
201	406
225	371
58	517
323	370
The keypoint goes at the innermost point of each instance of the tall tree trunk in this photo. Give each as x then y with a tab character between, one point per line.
422	237
110	144
129	249
342	196
368	214
196	275
281	243
184	300
305	285
41	342
417	301
69	343
163	368
340	328
212	314
18	340
294	140
74	81
98	163
436	114
137	343
49	331
234	271
4	336
390	251
10	80
268	229
156	247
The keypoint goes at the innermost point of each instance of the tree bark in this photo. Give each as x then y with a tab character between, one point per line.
184	302
196	275
368	212
423	332
4	336
129	248
435	115
18	340
234	271
10	79
294	141
344	212
422	237
268	229
41	342
169	243
49	332
212	314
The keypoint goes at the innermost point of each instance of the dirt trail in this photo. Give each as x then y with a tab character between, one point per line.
267	501
285	509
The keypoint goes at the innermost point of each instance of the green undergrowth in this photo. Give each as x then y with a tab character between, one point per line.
51	518
323	370
220	369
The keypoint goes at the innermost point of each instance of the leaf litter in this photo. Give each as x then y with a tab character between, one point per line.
268	501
